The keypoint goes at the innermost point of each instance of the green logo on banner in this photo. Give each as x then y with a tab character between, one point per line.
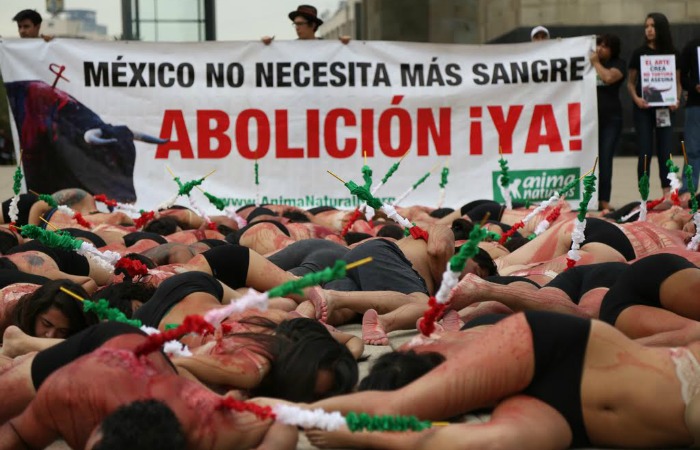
537	185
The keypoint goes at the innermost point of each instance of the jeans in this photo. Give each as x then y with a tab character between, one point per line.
691	134
609	130
645	126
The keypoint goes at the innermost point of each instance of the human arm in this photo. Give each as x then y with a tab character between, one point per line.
441	247
267	40
226	370
352	342
608	75
27	431
679	91
632	89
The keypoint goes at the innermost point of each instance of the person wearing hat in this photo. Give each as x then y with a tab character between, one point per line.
539	33
305	21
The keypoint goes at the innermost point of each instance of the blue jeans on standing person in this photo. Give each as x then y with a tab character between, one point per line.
609	129
691	134
645	127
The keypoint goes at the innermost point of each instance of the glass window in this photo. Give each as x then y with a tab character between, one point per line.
148	31
179	31
178	9
147	9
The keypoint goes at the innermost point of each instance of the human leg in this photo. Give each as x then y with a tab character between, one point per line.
644	125
691	134
520	422
608	138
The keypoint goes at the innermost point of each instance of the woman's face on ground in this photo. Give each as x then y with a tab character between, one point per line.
52	323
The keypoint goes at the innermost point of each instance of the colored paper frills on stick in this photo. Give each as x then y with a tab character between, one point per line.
14	203
450	278
75	215
578	234
254	299
443	184
505	181
414	186
675	181
230	211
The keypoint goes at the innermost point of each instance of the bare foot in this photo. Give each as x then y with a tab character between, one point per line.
438	327
330	439
13	342
305	309
451	321
373	332
318	299
467	291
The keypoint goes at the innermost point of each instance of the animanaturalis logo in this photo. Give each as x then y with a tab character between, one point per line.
537	185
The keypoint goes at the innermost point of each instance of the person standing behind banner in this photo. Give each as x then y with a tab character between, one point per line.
29	24
690	80
610	71
305	21
658	41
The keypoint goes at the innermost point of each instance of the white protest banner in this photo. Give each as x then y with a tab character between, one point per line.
658	74
110	116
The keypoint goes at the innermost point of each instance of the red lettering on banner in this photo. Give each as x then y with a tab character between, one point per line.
282	137
442	135
505	126
476	141
404	128
330	133
312	133
205	134
368	132
543	115
243	134
575	143
173	118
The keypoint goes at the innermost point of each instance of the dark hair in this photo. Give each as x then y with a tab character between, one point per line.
163	226
120	295
7	240
397	369
391	230
441	212
515	242
663	41
7	264
296	216
31	305
612	41
30	14
303	347
353	237
484	260
142	425
461	229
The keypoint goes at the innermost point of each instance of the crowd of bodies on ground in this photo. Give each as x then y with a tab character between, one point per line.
603	353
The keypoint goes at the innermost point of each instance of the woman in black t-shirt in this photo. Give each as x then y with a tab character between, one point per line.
658	41
610	74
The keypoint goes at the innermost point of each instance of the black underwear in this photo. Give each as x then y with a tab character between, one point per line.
578	280
172	291
281	227
604	232
8	277
132	238
640	284
96	240
229	264
559	342
67	261
48	361
320	209
502	279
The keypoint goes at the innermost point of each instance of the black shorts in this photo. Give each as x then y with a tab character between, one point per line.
580	279
559	342
486	319
24	206
9	277
48	361
67	261
604	232
478	209
172	291
308	255
47	217
640	284
229	264
132	238
96	240
389	270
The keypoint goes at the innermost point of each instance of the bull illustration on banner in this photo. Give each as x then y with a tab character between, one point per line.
65	144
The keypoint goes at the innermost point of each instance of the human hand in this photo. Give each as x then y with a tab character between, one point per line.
344	39
641	103
675	106
267	39
47	37
593	57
